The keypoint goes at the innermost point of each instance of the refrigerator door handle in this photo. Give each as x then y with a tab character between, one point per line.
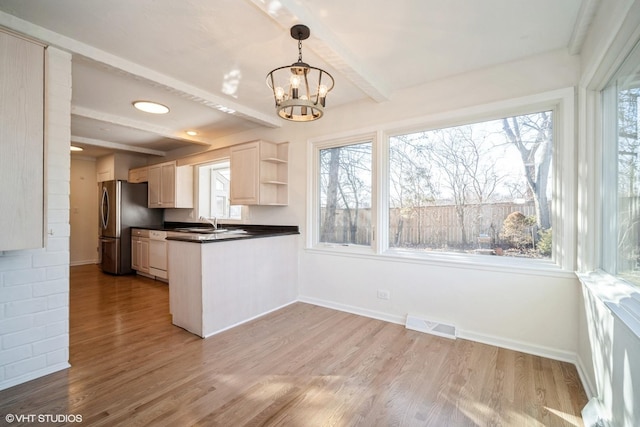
104	208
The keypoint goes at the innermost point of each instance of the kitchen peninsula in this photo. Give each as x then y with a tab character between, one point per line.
220	280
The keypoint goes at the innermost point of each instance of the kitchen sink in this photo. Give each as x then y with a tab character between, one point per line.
202	230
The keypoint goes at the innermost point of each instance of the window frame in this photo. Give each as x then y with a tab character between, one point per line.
196	190
403	132
608	264
313	223
564	191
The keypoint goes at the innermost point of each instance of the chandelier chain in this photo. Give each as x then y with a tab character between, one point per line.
299	50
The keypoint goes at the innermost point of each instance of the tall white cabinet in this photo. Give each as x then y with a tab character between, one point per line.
21	143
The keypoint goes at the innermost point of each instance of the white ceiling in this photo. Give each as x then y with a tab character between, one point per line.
208	59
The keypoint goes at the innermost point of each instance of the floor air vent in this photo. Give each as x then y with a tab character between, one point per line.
430	327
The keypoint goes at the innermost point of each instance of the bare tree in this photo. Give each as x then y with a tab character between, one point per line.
410	181
355	188
329	166
532	135
470	176
345	174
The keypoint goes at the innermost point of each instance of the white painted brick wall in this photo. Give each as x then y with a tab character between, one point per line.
34	284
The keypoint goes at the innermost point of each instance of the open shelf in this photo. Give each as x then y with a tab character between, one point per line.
260	173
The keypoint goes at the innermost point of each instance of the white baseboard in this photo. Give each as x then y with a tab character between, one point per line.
536	350
585	379
551	353
33	375
354	310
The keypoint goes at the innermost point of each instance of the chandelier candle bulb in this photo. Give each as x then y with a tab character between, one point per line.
279	95
322	94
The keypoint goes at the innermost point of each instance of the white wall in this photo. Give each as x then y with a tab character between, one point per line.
537	314
34	302
83	245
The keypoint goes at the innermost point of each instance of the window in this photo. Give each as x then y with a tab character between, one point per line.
454	193
213	191
621	172
480	188
344	194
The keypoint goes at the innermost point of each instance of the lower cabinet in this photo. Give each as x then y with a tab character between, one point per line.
140	254
149	252
210	293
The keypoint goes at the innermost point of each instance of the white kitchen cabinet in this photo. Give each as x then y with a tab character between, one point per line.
260	174
21	143
149	252
209	292
140	251
170	186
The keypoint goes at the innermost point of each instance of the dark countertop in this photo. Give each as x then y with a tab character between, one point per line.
234	231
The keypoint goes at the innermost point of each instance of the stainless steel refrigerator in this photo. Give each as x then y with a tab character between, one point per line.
122	206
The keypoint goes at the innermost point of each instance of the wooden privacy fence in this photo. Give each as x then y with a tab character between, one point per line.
432	226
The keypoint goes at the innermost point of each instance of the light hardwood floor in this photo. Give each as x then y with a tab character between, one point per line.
300	366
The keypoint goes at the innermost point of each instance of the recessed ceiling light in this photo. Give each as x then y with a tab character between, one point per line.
74	148
192	132
151	107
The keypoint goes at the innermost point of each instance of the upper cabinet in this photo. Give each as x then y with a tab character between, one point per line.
170	186
260	174
117	166
21	143
139	175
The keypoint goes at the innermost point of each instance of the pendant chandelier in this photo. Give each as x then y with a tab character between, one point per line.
300	90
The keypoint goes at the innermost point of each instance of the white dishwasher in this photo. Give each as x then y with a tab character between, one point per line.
158	254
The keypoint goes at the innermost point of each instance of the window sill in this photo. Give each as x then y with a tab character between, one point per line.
526	266
622	298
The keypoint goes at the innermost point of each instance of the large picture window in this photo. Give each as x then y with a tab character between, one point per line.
489	190
621	172
480	188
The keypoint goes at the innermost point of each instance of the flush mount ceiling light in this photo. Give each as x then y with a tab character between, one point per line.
300	90
74	148
191	133
151	107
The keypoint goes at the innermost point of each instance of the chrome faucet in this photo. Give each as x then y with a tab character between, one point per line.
213	222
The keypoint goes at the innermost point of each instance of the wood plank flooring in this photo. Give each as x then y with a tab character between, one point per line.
300	366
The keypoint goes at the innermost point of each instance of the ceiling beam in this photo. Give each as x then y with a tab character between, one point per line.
134	124
325	44
153	77
116	146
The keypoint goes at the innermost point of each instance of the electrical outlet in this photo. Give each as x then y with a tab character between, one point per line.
384	294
